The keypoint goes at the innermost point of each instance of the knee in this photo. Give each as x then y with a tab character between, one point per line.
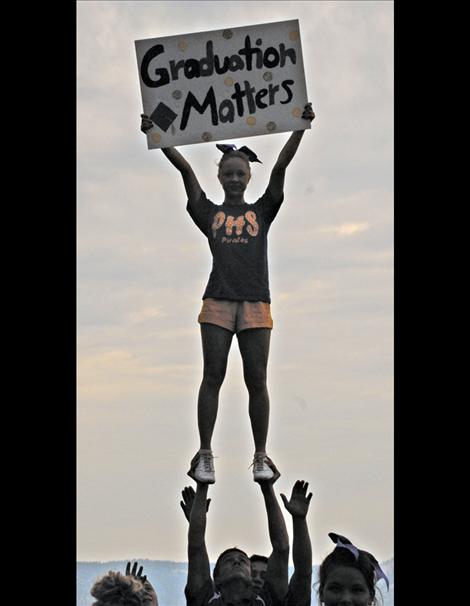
214	376
255	379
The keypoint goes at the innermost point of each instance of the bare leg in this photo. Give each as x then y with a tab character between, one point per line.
216	343
254	349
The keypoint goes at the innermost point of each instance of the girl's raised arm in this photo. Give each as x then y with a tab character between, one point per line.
278	173
191	184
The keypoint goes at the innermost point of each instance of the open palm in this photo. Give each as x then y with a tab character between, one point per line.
299	501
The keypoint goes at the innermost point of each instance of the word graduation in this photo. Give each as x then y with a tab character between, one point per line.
247	58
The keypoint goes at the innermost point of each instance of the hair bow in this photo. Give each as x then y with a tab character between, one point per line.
226	148
346	544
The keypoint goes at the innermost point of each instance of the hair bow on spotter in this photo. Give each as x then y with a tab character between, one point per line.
226	148
346	544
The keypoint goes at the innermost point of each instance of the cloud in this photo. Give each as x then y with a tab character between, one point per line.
346	229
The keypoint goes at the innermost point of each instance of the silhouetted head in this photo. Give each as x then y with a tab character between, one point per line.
232	563
117	589
348	575
259	566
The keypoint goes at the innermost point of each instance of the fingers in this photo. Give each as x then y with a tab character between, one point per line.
192	466
134	572
271	464
188	495
191	492
308	113
309	497
195	460
284	500
208	502
299	490
146	123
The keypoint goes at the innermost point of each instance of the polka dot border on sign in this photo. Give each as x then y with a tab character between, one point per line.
297	112
182	45
206	136
156	137
294	35
227	34
271	126
267	76
176	94
251	120
228	81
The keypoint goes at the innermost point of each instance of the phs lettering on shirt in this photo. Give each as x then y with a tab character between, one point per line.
237	237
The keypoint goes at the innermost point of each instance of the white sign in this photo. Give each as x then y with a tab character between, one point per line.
223	84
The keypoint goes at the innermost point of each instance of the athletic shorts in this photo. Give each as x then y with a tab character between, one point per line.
236	315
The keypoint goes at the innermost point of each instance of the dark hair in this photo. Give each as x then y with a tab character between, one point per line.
259	558
215	572
343	557
234	154
116	589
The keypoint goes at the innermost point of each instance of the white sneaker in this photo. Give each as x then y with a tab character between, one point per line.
204	471
261	470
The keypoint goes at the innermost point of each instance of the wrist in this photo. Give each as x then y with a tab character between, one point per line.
299	518
268	492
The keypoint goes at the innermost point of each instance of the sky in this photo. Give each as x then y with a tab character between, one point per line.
142	267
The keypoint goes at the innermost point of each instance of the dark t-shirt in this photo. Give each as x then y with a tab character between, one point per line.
295	598
238	239
209	596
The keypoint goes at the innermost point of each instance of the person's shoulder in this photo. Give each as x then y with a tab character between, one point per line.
202	199
269	198
202	195
205	595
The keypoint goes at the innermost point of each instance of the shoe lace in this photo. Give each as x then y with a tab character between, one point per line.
206	458
258	462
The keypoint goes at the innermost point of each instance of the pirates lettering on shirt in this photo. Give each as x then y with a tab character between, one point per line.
238	240
235	226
